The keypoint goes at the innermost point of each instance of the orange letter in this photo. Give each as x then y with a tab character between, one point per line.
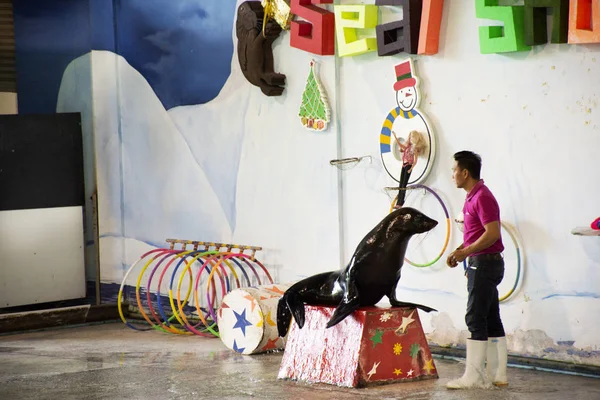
431	20
584	21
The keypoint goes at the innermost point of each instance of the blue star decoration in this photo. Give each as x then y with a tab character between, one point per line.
235	348
241	322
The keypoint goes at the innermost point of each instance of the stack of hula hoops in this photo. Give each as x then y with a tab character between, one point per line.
179	291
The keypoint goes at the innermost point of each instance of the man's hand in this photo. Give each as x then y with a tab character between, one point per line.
457	256
450	261
460	255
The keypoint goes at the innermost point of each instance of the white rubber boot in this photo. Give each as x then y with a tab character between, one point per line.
497	357
475	374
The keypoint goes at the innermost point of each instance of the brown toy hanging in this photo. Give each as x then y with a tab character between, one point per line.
254	48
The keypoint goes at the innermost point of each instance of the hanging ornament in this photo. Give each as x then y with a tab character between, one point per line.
278	10
314	110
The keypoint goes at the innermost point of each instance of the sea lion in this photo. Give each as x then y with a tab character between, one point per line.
373	272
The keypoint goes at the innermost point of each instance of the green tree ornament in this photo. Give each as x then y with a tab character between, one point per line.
314	110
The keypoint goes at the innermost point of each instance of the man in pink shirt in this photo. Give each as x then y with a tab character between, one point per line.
482	248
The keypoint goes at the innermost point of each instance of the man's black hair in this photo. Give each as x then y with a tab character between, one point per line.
470	161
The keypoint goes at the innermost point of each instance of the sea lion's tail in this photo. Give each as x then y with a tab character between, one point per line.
289	304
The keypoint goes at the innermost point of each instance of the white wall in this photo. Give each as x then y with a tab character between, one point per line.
522	112
532	116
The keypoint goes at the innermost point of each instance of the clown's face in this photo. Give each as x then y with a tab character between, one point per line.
406	98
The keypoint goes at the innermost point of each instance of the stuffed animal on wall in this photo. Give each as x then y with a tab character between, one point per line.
254	48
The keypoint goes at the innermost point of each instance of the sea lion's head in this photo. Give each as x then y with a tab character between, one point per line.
411	221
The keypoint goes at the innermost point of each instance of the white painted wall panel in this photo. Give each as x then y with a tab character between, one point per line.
41	256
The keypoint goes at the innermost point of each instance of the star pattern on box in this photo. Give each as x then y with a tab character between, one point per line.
260	319
429	366
384	356
241	321
275	289
271	344
397	349
373	370
406	321
252	301
236	348
377	338
269	320
385	317
414	350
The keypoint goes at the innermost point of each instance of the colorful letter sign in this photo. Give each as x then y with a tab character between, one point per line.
431	21
316	34
584	21
535	21
400	36
348	19
498	39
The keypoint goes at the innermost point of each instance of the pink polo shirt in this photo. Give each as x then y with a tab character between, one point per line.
480	209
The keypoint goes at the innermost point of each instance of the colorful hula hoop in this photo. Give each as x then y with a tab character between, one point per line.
518	250
166	326
182	258
222	263
171	299
200	312
120	295
439	199
158	294
237	255
138	297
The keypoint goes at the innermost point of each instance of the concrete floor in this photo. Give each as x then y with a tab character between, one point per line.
112	361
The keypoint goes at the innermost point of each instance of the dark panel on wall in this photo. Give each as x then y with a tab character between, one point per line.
41	161
8	74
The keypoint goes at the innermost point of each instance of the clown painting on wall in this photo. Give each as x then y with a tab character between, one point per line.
406	141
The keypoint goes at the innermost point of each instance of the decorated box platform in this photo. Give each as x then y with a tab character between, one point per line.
374	345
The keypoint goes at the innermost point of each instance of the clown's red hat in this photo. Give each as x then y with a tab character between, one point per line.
404	76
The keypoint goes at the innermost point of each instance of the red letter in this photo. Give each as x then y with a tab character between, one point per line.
317	34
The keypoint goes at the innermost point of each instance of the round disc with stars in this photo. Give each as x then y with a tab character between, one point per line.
247	319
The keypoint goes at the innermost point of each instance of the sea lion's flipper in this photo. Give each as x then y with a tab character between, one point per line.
290	304
284	317
296	306
347	306
397	303
342	311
